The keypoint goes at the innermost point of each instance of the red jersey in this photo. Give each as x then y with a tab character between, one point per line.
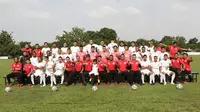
134	65
78	66
38	52
173	50
28	68
122	64
159	48
16	65
81	55
127	55
111	65
115	55
186	63
69	66
28	51
88	65
93	55
104	56
100	66
176	63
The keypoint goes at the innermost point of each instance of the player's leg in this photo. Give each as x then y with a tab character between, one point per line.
163	77
172	74
130	77
32	79
142	77
151	78
82	78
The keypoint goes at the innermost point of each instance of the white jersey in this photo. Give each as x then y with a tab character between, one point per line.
64	50
138	56
161	56
57	56
132	49
34	61
94	70
74	49
111	45
165	64
121	49
145	64
151	49
147	54
39	72
146	48
44	51
155	67
157	53
88	47
49	66
59	68
54	51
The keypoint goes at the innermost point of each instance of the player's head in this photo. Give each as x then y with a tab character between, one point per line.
143	49
46	58
92	49
144	57
112	41
176	55
91	42
160	44
54	45
104	48
78	58
24	53
48	53
165	57
60	59
34	54
155	58
99	58
75	43
137	48
37	46
68	51
122	57
16	59
40	59
87	57
115	48
68	59
121	43
163	49
65	44
81	48
133	57
28	61
95	61
133	43
111	57
83	43
26	46
174	43
126	47
45	44
102	43
185	55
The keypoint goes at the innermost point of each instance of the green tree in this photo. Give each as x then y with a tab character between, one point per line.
167	40
108	33
193	40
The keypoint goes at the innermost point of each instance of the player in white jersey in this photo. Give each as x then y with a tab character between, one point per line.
49	70
94	73
54	49
59	54
145	70
137	54
145	46
155	65
121	47
34	59
45	49
111	45
74	48
132	48
164	69
70	55
88	47
155	53
144	52
64	48
151	47
39	72
59	69
163	52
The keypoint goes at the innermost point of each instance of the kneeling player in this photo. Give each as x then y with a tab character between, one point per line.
94	73
59	67
164	69
145	70
155	69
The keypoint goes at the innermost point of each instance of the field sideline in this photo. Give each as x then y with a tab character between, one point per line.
112	98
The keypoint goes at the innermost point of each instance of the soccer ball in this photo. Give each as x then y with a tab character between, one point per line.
54	88
94	88
8	89
179	86
134	87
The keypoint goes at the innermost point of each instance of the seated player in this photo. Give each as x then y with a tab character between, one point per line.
34	59
164	69
39	72
122	69
49	70
94	73
186	69
59	69
78	64
87	67
145	70
16	72
28	70
176	66
68	72
155	69
101	68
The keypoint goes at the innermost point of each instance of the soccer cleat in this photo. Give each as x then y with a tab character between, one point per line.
116	84
104	84
172	83
90	80
185	82
81	84
73	84
165	83
29	85
98	81
9	85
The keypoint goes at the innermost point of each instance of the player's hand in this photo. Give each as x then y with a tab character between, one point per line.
119	71
108	71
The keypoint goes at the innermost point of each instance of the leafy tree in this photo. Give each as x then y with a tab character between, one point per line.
167	40
107	33
193	40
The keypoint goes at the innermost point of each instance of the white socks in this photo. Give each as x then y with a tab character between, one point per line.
62	79
142	78
151	79
53	80
43	80
32	79
163	78
173	77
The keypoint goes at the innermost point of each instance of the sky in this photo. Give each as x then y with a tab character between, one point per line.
41	20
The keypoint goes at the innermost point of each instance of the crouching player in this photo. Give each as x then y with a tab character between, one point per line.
145	70
155	69
59	69
39	72
94	73
164	69
49	66
28	70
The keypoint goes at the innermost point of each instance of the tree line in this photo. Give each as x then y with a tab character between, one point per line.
8	46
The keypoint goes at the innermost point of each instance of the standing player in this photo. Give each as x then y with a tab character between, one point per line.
127	53
45	49
74	48
37	50
59	69
54	49
155	65
163	52
81	54
137	53
93	53
164	69
89	46
121	47
111	45
34	59
64	48
58	54
145	52
16	72
28	50
145	70
132	48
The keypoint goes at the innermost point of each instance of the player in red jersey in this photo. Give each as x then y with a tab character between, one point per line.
111	67
176	66
28	50
122	69
78	64
186	70
68	72
101	68
115	53
159	47
135	74
93	53
28	70
127	53
87	68
37	50
104	54
16	72
81	53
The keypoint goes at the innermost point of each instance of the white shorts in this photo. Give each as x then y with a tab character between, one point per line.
38	73
168	72
156	71
94	72
145	72
49	73
59	73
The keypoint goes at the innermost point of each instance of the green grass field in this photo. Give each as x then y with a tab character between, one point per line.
112	98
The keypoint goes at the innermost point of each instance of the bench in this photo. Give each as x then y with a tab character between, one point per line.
6	82
195	76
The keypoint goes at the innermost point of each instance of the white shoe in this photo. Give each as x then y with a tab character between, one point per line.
172	83
165	83
51	85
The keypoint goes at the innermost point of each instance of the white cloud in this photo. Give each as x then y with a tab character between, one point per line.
87	0
38	15
131	10
179	7
102	12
